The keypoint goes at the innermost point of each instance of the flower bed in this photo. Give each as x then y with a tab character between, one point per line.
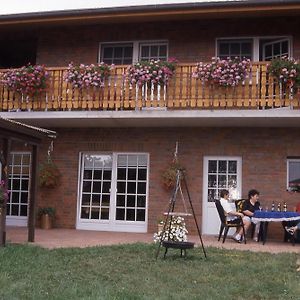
85	76
223	72
30	80
176	231
154	71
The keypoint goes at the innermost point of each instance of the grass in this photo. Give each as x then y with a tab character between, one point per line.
131	272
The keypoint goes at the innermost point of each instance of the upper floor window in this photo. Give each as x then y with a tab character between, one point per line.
153	51
130	52
118	54
235	48
256	48
293	174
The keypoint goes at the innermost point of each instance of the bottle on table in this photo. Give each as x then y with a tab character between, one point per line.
284	206
273	206
279	207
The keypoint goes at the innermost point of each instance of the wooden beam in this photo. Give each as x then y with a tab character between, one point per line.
33	192
5	175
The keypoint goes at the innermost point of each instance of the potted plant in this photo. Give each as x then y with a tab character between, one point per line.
228	72
30	80
175	231
46	215
49	174
286	71
86	76
156	72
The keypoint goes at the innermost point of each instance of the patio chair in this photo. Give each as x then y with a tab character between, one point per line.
225	225
239	207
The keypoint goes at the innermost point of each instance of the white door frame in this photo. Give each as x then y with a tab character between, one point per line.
111	224
210	217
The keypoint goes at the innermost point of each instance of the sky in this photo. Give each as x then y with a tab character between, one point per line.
26	6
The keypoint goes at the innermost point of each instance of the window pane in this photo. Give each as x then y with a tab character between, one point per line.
212	166
222	166
212	181
232	165
121	200
130	201
145	51
117	53
132	174
154	51
140	216
120	214
223	49
130	215
108	52
294	174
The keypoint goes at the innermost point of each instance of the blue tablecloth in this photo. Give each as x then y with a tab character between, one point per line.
275	216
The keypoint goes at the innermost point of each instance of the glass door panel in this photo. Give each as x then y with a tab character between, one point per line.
96	187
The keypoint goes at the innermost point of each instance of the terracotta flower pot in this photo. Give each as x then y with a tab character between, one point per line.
46	221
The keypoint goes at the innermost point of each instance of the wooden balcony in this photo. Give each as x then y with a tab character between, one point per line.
259	91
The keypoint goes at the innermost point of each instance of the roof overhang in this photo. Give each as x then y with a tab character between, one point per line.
280	117
161	12
15	130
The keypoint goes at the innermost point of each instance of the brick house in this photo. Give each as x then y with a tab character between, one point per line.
112	148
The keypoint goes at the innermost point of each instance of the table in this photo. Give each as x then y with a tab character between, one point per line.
272	216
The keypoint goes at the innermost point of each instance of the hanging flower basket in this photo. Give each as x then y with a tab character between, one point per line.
30	80
49	175
170	174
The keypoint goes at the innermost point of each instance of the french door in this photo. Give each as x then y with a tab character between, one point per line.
113	192
218	173
18	186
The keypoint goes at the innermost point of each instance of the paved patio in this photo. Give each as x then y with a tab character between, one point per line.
58	238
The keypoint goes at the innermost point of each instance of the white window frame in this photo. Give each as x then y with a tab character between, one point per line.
256	42
136	47
288	169
111	224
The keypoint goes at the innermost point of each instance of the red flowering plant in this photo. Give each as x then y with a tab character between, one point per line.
154	71
30	80
3	192
85	76
223	72
286	70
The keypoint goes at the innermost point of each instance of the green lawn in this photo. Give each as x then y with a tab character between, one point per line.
131	272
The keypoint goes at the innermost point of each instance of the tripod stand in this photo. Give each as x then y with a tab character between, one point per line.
167	243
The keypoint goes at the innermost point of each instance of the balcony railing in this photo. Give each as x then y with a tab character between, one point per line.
260	90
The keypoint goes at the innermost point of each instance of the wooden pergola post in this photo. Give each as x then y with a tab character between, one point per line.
6	144
33	192
16	131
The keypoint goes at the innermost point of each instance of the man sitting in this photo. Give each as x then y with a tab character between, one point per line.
250	205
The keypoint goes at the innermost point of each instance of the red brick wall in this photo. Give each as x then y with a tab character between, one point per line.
263	150
189	41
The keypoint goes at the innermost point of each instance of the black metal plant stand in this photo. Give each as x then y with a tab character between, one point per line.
183	246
